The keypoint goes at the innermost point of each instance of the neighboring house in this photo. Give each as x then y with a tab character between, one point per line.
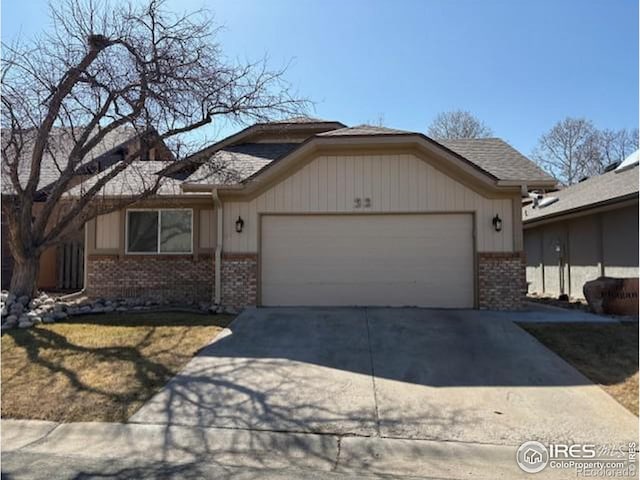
311	212
62	267
590	231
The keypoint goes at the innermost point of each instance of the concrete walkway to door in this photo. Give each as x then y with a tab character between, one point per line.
454	375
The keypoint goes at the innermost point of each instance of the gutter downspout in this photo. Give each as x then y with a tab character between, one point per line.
217	203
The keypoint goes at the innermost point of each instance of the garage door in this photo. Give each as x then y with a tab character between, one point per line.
396	260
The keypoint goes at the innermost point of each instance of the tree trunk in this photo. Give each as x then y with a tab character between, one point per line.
25	276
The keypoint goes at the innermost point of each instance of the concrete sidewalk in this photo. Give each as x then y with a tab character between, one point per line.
34	449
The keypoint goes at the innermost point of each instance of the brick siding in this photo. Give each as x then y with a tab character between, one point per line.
175	278
239	277
501	280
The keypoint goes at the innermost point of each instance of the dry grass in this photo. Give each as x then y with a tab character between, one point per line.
605	353
97	368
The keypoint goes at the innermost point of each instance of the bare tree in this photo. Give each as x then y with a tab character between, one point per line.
616	145
458	124
102	68
569	150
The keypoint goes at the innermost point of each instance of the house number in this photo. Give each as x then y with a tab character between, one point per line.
357	202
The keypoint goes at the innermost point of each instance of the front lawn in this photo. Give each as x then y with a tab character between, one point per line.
605	353
100	367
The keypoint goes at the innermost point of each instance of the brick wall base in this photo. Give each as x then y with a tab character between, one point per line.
501	280
173	278
239	278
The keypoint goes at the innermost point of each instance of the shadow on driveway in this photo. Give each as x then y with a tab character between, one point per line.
401	373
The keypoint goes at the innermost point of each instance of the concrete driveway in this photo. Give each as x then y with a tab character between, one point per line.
448	375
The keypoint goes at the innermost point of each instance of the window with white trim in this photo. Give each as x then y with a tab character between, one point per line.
160	231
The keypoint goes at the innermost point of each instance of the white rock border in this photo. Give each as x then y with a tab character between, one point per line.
24	312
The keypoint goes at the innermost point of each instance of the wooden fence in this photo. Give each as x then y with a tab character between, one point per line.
70	266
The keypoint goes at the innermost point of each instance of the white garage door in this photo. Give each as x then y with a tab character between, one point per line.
396	260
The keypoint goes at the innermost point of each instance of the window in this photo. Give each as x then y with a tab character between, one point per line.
159	231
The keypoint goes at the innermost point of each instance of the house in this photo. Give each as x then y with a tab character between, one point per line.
312	212
583	232
532	456
61	267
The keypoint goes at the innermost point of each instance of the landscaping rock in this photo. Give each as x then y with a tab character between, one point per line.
48	319
16	308
59	315
25	324
85	309
24	300
59	307
121	309
12	319
10	299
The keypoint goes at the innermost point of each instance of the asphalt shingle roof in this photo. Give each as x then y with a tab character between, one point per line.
493	155
301	120
235	163
137	178
595	190
363	130
55	159
497	157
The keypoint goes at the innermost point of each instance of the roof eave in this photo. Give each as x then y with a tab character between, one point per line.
208	187
408	139
557	216
255	129
536	183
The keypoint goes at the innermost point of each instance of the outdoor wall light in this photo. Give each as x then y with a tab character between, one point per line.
239	225
497	223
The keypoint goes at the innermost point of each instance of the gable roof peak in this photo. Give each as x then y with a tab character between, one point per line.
302	119
365	130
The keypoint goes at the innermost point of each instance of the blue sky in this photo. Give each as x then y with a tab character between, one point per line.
519	66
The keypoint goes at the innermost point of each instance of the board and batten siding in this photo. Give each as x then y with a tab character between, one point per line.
207	229
591	246
394	183
108	231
